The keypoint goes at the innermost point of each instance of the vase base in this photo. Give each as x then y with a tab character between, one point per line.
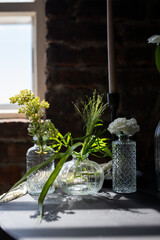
80	189
37	190
124	190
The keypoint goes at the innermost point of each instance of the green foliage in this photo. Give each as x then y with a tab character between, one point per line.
60	141
101	147
91	112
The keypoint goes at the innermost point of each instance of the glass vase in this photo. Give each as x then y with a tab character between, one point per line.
124	165
81	176
157	154
34	156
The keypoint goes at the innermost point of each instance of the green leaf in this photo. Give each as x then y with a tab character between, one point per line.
92	141
157	56
68	139
54	174
98	125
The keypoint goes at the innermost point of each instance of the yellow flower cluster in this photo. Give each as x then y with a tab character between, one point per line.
34	110
23	97
32	107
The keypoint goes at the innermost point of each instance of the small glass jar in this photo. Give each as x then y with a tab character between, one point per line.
34	156
124	165
81	176
157	154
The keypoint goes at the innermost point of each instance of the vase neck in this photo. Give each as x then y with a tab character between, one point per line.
39	141
80	157
123	137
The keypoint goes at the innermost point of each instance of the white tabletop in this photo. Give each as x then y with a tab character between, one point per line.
105	216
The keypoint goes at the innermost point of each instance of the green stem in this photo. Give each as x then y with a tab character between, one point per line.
54	175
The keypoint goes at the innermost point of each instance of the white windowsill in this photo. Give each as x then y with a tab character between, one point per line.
5	114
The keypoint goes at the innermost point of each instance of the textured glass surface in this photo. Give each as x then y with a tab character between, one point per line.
124	166
37	180
157	154
81	177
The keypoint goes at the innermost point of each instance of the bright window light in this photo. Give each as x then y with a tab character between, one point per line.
15	1
15	56
22	51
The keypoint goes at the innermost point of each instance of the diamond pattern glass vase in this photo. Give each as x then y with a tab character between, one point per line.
124	165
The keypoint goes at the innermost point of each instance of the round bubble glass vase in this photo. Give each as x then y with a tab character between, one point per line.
157	154
81	176
34	156
124	165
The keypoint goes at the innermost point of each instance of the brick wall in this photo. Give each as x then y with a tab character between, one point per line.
76	64
14	143
76	58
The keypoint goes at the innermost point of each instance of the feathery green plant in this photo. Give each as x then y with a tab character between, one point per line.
91	112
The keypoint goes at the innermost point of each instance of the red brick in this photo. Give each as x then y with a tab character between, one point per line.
13	152
13	128
61	55
128	56
91	9
76	32
130	10
76	78
60	7
11	174
16	152
3	152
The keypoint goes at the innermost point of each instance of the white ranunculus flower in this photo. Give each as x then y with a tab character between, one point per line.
122	125
154	39
117	125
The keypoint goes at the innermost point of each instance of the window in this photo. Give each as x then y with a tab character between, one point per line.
22	31
14	1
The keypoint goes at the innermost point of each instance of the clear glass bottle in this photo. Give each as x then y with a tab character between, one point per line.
34	156
124	165
157	154
81	176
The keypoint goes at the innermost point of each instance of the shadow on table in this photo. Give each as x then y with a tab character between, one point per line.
140	199
63	204
58	204
5	236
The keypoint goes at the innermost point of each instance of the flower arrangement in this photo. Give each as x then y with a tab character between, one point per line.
91	143
81	175
124	126
91	112
156	39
